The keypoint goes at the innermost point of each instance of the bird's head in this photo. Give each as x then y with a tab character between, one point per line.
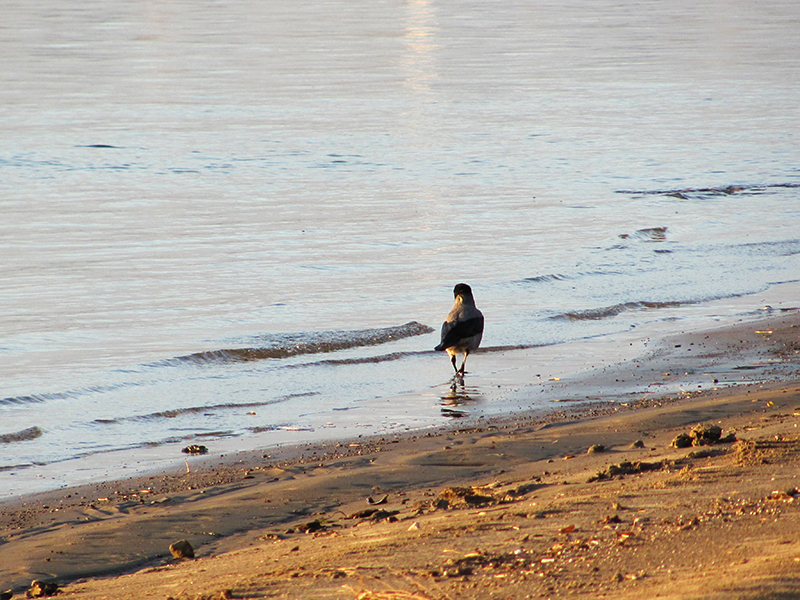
462	289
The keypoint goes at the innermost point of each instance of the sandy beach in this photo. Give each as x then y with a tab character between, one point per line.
595	502
239	226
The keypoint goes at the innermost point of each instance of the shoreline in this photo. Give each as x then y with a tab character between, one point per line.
606	369
741	349
232	503
540	461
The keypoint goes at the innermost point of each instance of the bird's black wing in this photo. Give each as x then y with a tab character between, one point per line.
462	330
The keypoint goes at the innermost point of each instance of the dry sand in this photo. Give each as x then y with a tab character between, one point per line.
511	509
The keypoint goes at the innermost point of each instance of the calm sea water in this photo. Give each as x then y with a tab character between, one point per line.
232	223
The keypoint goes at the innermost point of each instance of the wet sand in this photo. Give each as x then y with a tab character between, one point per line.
512	508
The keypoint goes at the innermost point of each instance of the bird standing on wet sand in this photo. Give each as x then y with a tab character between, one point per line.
463	327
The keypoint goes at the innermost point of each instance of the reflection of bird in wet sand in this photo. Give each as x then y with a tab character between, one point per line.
463	327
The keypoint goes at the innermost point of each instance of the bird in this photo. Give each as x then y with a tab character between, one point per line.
463	328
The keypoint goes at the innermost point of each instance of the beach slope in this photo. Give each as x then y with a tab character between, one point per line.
577	505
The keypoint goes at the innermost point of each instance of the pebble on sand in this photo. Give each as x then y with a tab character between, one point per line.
182	549
682	440
702	435
705	435
40	589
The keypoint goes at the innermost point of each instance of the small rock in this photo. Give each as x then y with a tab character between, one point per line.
363	514
182	549
705	435
440	504
682	440
6	595
637	444
460	571
596	449
460	497
195	449
384	515
310	527
626	468
39	589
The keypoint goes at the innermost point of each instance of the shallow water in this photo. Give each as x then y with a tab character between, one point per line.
188	186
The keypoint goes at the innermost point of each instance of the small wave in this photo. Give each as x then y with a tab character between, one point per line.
400	355
32	399
174	439
31	433
771	248
551	277
649	234
596	314
727	190
310	343
262	429
547	278
76	393
15	467
190	410
367	359
487	349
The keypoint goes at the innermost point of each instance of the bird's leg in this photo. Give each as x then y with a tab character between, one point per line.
461	371
453	360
